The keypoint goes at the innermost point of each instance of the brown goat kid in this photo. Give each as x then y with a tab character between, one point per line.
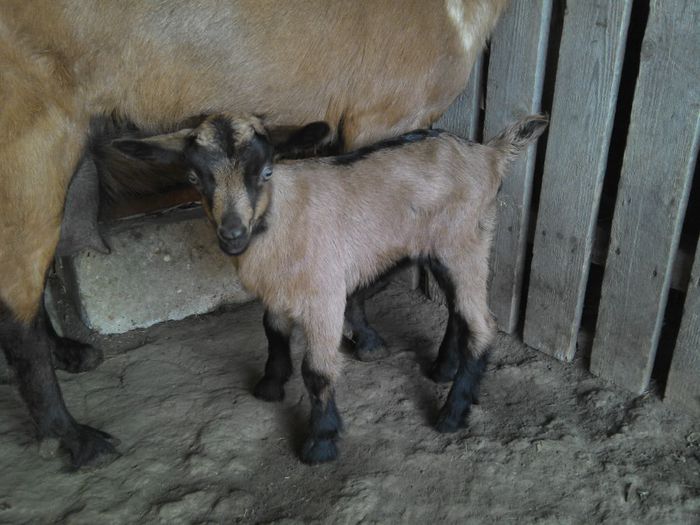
308	235
370	68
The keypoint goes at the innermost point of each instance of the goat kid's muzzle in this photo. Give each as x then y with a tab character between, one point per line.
233	241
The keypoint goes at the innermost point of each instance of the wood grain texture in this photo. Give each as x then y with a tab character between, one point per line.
652	195
462	117
514	89
683	385
587	79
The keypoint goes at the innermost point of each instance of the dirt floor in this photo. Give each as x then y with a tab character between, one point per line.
548	444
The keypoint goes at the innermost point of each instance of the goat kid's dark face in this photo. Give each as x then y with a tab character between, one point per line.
230	163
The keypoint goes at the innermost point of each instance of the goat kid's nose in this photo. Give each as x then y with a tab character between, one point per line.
231	234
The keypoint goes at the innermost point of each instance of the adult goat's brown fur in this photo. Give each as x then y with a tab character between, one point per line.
380	67
309	235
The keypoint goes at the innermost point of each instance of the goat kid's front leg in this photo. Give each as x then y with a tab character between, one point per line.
320	370
278	368
325	421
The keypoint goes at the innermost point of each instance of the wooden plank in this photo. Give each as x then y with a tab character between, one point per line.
655	182
462	117
683	386
514	89
588	74
682	263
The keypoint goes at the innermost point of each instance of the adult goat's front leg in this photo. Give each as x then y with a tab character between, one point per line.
28	348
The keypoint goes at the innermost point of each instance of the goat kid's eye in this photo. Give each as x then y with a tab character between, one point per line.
266	173
192	178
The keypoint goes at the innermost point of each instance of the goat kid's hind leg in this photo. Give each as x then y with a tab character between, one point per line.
475	329
28	348
444	367
278	368
369	345
320	370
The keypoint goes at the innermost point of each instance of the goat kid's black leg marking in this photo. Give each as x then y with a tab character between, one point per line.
325	423
455	360
278	368
369	345
465	388
28	350
445	366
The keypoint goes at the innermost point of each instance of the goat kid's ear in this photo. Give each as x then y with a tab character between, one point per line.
303	141
160	149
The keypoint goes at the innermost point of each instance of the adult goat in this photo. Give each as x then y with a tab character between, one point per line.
370	68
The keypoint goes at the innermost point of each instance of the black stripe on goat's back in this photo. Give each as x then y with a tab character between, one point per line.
417	135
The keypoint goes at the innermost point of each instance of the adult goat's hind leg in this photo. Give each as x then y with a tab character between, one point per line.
474	331
73	356
278	368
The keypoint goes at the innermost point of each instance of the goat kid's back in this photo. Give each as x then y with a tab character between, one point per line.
350	218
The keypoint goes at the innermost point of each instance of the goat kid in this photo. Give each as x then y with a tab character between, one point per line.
305	238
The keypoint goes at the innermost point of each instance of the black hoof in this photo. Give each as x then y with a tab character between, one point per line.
317	451
75	357
441	373
269	390
90	447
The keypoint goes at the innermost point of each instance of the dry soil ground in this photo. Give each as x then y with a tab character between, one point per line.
548	444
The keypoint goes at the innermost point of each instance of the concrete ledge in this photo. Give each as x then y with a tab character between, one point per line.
161	268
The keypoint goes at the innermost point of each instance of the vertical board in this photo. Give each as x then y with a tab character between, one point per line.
462	117
683	385
652	194
514	89
588	73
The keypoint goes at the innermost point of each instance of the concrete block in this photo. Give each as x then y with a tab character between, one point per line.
161	268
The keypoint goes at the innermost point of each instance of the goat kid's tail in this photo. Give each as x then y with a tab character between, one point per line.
515	138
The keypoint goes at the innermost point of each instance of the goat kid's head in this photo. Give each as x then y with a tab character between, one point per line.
230	162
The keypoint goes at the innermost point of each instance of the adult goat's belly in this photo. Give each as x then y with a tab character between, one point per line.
318	60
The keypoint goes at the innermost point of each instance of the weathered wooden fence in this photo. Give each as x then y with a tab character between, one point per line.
620	79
